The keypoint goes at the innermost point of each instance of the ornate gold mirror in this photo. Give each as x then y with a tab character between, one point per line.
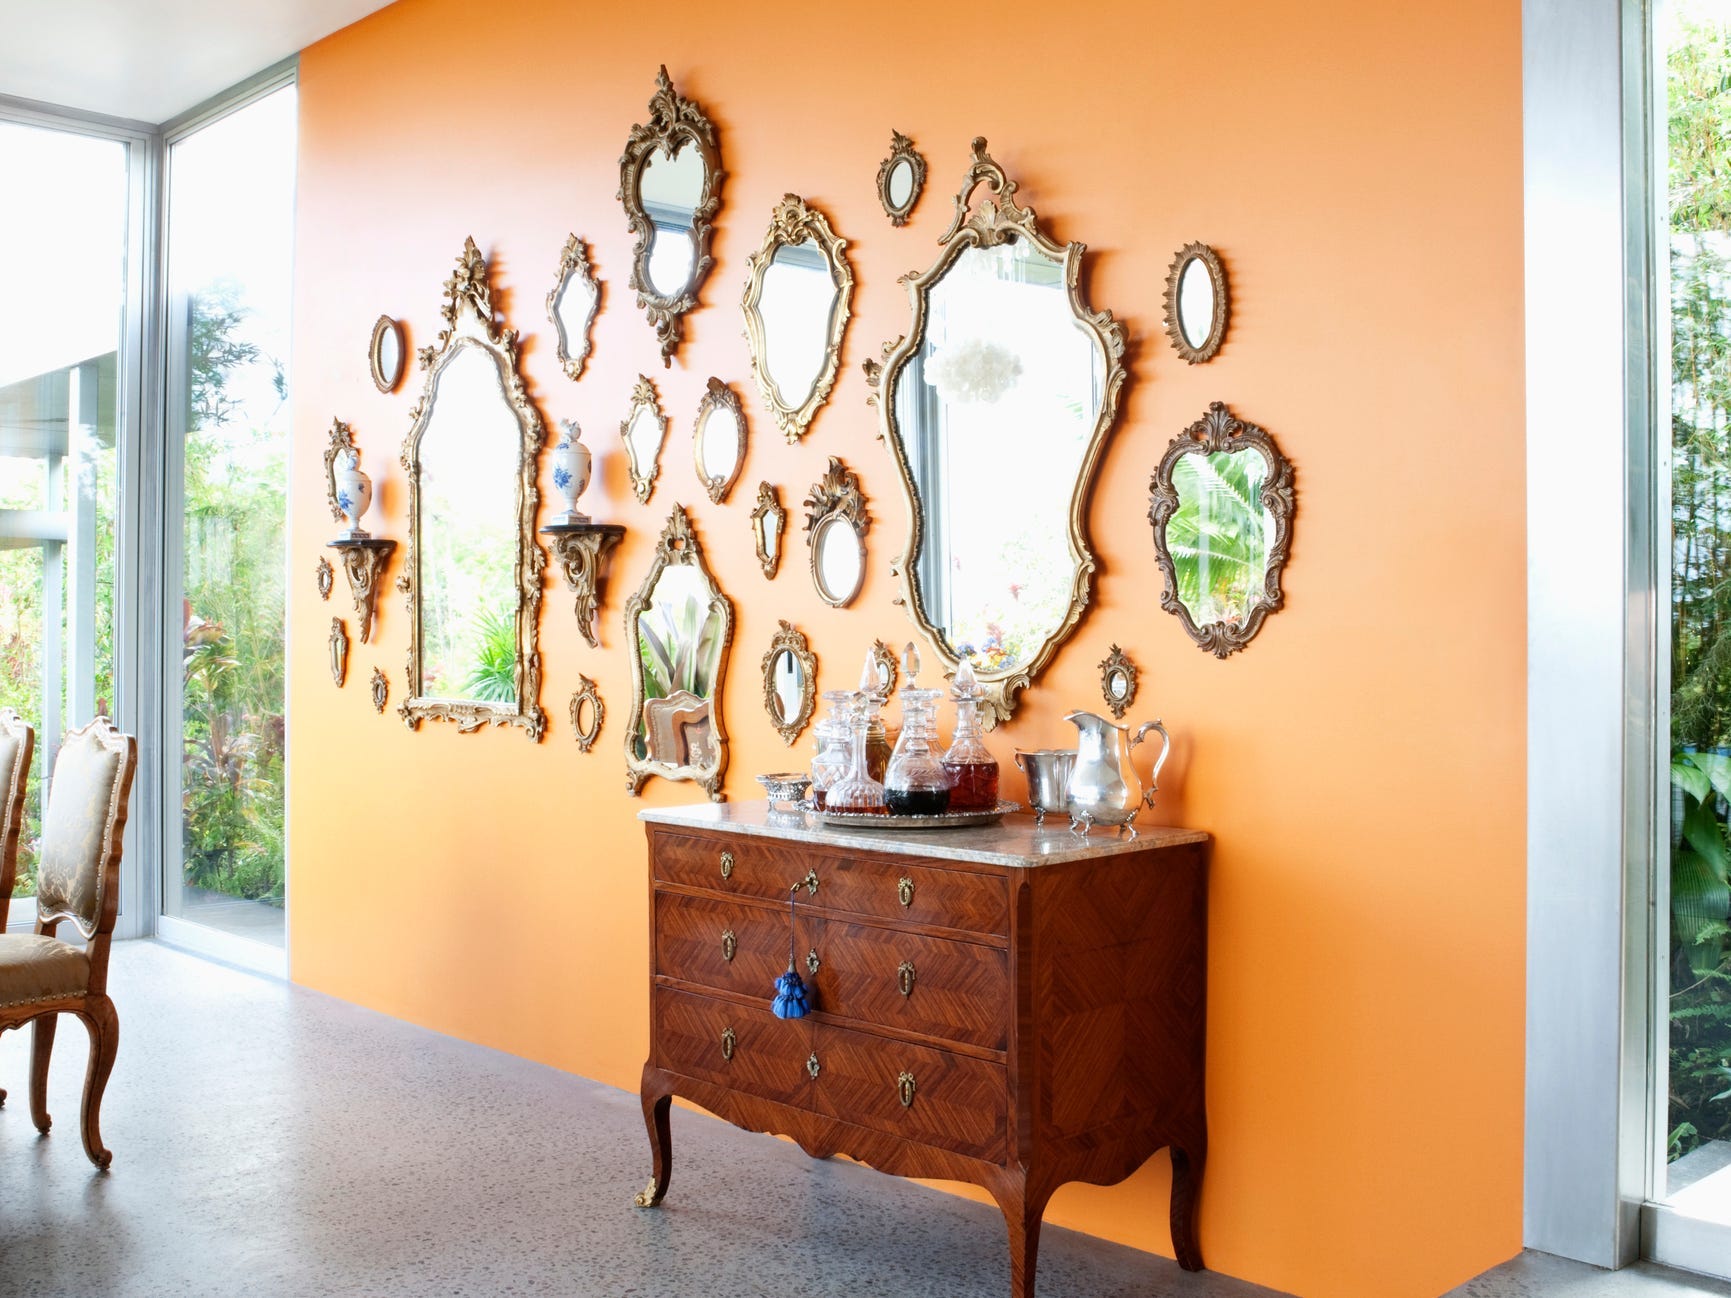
1196	303
473	577
571	306
901	177
797	297
670	184
789	682
836	523
1222	515
997	404
718	439
587	714
768	525
644	429
1118	681
679	625
385	354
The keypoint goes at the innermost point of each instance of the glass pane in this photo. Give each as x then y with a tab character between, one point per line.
1698	1122
230	221
64	218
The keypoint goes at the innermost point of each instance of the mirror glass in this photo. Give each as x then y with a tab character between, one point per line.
718	444
788	685
768	526
670	191
838	561
797	306
643	443
573	309
679	644
1221	533
1120	685
995	412
901	186
467	538
1195	302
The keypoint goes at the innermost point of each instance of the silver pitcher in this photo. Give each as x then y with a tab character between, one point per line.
1048	772
1103	788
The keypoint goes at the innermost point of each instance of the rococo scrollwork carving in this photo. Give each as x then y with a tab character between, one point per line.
587	699
381	690
768	528
789	701
571	329
1118	681
836	523
580	550
644	430
323	576
363	562
338	645
901	177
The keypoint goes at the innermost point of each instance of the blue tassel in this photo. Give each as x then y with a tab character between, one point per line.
790	1000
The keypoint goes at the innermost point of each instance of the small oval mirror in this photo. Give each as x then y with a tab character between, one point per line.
718	439
789	682
900	178
385	356
1196	303
901	186
1120	685
838	562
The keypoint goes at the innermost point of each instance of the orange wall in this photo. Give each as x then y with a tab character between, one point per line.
1361	765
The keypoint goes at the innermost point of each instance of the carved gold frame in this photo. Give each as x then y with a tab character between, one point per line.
1221	430
573	267
386	383
324	575
674	123
791	224
1114	666
338	646
901	150
643	396
678	544
1222	303
468	316
768	504
887	667
381	690
836	500
997	220
790	640
341	438
587	693
718	396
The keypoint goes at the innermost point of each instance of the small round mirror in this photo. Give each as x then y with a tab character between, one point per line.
901	186
386	354
838	561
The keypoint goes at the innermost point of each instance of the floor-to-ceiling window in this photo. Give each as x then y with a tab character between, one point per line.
230	211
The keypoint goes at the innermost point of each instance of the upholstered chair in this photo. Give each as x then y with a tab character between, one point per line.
77	880
17	743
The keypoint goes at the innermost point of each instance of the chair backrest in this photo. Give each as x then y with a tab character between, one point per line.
17	742
77	875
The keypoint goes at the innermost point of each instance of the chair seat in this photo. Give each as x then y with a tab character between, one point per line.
35	968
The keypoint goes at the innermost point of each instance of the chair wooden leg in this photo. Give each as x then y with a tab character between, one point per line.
41	1047
104	1026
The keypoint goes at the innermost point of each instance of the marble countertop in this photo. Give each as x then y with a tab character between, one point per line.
1017	841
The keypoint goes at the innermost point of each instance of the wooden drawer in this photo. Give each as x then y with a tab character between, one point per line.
737	865
741	1047
907	892
959	991
715	942
948	1101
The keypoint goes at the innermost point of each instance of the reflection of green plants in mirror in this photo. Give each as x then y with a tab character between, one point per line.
1220	535
680	648
493	676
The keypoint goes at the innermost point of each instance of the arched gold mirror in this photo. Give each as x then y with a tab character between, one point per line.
836	523
798	294
1222	515
996	405
571	306
473	577
670	185
679	626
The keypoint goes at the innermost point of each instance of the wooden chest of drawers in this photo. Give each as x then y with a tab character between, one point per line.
1013	1007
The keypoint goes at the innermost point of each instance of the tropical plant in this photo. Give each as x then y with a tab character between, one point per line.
492	676
680	648
1218	535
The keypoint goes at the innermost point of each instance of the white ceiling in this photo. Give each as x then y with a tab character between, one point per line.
151	60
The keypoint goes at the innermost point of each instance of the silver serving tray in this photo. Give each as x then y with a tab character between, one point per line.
948	820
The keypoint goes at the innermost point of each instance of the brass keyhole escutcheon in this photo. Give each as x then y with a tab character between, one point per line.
727	1040
812	1067
812	963
810	882
727	865
905	891
905	977
905	1088
729	944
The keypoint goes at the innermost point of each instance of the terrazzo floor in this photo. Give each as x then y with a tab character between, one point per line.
272	1141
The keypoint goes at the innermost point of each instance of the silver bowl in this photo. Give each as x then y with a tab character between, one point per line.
785	789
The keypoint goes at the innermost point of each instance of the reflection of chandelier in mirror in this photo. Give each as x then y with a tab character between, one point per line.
975	369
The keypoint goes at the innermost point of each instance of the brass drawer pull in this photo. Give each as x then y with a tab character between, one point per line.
727	865
812	1067
905	1087
905	977
729	944
905	891
727	1040
810	882
812	963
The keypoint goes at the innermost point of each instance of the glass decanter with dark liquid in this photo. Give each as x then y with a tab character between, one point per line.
916	783
972	769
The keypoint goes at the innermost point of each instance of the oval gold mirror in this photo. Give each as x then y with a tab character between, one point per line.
789	682
900	179
385	354
587	714
996	405
836	524
1196	303
571	306
1118	682
1222	515
796	306
718	439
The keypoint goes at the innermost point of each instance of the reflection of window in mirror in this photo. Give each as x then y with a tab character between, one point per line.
468	534
789	685
1220	535
996	410
798	300
670	189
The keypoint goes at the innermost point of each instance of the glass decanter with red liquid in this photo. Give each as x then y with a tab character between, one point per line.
972	769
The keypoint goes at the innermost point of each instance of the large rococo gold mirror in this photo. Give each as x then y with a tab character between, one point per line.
679	626
473	577
996	405
670	184
1222	513
798	292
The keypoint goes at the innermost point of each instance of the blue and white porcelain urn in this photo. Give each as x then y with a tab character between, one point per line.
570	472
354	491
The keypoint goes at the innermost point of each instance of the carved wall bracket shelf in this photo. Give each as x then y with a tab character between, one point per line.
581	551
363	562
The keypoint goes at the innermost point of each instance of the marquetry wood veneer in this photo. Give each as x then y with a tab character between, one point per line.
1018	1010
